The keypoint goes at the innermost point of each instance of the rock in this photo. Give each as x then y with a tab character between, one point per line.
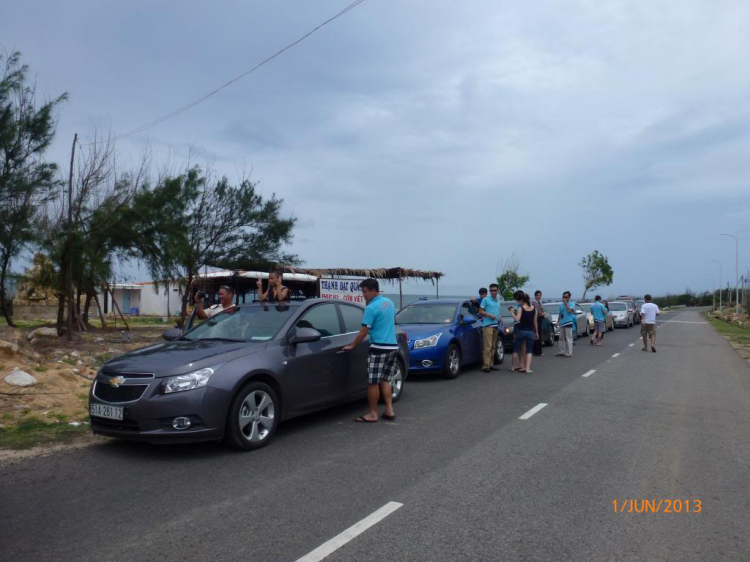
74	424
20	378
42	333
65	357
99	340
34	341
8	348
76	370
75	354
79	362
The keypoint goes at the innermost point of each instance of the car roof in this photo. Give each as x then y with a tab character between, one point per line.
439	301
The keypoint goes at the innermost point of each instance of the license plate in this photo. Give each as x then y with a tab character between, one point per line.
103	411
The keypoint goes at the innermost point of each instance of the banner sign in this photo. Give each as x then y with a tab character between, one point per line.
342	289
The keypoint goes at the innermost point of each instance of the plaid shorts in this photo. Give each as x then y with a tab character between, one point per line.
381	365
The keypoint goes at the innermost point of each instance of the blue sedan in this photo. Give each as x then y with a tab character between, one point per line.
443	335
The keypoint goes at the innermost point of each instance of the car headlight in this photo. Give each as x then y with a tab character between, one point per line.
508	329
427	342
190	381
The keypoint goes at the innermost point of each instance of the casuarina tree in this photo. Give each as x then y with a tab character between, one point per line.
26	180
596	271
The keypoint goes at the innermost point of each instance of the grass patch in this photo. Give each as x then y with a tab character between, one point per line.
31	432
730	330
27	323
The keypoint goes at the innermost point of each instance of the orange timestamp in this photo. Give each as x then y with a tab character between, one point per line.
635	505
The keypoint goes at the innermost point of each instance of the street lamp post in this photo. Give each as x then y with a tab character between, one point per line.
713	291
721	267
736	272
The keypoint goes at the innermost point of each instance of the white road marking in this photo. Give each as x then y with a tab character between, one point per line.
591	372
632	345
328	548
533	411
616	355
683	322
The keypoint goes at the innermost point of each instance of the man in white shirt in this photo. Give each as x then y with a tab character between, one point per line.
226	295
649	312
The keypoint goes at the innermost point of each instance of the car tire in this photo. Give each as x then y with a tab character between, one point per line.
500	351
550	337
397	383
452	367
253	417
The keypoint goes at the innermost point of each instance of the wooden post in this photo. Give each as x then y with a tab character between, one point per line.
69	253
437	288
117	307
400	293
99	308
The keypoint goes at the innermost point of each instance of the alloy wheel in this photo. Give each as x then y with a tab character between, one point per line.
256	416
397	383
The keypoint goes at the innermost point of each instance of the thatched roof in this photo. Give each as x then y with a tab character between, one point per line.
387	273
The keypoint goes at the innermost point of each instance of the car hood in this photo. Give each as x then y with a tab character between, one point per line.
179	357
420	331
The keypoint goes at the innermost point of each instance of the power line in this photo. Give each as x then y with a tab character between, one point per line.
203	98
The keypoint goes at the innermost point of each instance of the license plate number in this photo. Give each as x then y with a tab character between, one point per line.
104	411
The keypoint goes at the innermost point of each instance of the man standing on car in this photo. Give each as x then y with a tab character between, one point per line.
540	315
566	318
599	312
489	311
226	296
649	312
379	322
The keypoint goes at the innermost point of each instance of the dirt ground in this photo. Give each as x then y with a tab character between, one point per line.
64	370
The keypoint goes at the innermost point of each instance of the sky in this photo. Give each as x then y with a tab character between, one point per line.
431	134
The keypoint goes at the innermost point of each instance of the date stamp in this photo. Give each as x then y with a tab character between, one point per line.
665	505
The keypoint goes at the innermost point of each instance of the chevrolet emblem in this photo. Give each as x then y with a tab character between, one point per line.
116	381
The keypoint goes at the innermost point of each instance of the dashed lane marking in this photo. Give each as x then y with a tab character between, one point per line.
616	355
327	548
631	345
591	372
533	411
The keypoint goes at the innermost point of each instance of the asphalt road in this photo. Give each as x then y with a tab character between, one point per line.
474	481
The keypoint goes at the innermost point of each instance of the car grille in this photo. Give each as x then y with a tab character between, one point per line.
120	425
122	393
129	375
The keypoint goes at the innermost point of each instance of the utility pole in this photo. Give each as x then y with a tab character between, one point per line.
69	252
720	269
736	272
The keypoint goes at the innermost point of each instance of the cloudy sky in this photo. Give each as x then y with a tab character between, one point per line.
434	134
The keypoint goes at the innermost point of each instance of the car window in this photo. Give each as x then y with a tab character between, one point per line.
352	317
322	318
467	310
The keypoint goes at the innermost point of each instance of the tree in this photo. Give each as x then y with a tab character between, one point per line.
596	271
511	279
26	131
194	220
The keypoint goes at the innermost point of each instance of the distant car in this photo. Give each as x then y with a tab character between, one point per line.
609	321
237	375
580	327
443	335
550	331
622	313
638	304
634	309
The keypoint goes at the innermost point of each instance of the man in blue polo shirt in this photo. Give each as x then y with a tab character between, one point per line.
489	311
379	322
566	319
599	312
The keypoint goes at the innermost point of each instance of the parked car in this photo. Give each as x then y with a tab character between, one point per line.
622	313
638	304
443	335
237	375
580	327
609	321
631	300
548	329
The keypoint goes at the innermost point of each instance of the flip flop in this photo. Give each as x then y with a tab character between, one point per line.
653	349
362	419
387	417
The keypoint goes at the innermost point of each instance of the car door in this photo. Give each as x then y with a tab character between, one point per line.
469	335
314	369
356	359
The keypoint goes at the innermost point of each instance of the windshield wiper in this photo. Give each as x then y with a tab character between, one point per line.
221	339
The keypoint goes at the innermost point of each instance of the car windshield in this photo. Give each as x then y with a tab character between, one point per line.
427	314
245	323
618	306
552	308
504	312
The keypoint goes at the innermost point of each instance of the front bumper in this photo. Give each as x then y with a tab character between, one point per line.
150	417
621	321
426	359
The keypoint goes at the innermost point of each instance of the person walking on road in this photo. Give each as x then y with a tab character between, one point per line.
525	331
649	312
566	319
541	314
379	322
599	312
489	311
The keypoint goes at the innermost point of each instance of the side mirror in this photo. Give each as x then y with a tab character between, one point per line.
469	319
305	335
172	334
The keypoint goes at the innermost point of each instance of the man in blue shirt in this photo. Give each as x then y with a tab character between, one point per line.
379	322
599	312
566	319
489	311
